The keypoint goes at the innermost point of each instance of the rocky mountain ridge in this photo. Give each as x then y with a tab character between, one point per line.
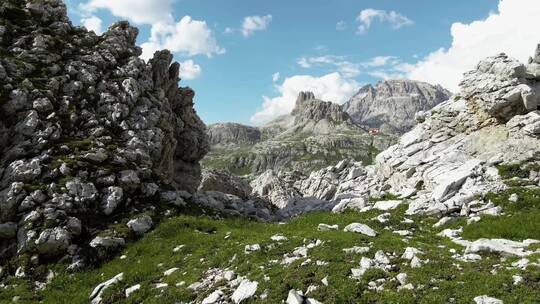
392	104
314	134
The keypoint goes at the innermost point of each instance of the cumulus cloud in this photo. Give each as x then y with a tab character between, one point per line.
341	25
189	70
508	31
367	16
187	37
252	24
137	11
331	87
92	23
275	77
346	68
379	61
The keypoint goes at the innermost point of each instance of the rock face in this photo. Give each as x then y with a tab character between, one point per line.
88	129
391	105
233	134
315	134
447	163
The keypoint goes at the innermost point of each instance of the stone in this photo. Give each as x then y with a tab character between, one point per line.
357	249
95	296
132	289
326	227
168	272
278	238
387	205
244	291
513	198
140	225
107	242
112	198
294	297
252	248
214	297
8	230
53	242
487	300
360	228
500	246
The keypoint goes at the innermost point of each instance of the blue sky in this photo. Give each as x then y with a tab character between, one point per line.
328	42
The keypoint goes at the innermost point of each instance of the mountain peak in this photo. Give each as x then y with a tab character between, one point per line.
391	104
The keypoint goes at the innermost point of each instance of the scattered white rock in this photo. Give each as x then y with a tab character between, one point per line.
252	248
360	228
513	198
445	221
326	227
140	225
487	300
178	248
170	271
245	290
132	289
95	296
278	238
214	297
294	297
356	249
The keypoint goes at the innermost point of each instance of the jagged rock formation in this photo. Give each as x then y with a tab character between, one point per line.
392	104
315	134
448	162
88	131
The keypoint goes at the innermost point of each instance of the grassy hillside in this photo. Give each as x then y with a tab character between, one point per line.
210	244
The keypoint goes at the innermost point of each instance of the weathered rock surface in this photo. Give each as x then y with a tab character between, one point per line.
88	130
392	104
447	163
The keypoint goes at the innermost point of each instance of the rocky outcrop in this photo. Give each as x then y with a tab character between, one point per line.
448	162
233	134
391	105
88	130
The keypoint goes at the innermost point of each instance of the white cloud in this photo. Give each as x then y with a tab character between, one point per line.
137	11
508	31
346	68
367	16
341	25
275	77
379	61
386	75
189	70
331	87
252	24
93	23
187	37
